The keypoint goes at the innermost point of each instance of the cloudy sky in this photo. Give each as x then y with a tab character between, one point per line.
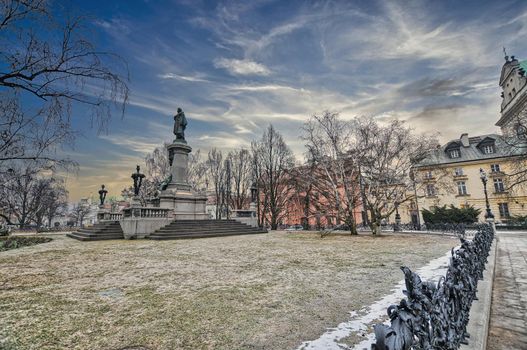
236	66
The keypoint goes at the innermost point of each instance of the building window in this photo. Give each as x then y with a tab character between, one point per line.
454	153
428	174
461	188
504	210
513	91
458	171
488	149
430	190
499	185
495	168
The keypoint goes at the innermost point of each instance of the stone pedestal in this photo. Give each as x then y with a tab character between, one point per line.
178	196
246	216
102	213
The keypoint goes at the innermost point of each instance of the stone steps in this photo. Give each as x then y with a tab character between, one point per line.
98	232
184	229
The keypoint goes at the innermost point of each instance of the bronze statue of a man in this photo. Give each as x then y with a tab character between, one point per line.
180	124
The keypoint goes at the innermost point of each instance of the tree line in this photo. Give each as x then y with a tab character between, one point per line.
350	165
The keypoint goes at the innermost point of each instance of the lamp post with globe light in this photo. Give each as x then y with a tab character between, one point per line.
483	177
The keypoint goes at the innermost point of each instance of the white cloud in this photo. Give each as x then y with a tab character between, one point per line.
182	77
241	67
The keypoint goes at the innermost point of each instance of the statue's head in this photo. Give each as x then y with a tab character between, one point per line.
179	110
138	168
102	187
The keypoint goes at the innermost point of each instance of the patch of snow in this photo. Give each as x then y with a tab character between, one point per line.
360	321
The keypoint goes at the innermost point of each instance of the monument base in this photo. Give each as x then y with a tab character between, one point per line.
141	222
185	205
178	196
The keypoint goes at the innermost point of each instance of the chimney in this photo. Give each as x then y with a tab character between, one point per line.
464	140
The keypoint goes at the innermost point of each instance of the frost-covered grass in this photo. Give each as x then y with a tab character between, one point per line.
268	291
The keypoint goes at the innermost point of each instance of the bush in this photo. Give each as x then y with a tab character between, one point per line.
14	242
451	215
520	220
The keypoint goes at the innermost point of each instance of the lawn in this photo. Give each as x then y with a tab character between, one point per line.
269	291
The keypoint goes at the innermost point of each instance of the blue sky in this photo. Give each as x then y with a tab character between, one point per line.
236	66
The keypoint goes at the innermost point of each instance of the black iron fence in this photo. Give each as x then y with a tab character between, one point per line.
435	316
460	230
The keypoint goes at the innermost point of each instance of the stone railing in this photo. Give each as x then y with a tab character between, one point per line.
435	316
109	216
147	212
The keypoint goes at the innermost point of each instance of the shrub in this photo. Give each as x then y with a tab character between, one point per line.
14	242
453	215
518	220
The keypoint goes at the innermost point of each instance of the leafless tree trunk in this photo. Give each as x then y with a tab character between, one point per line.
241	171
386	154
216	170
79	213
331	147
275	160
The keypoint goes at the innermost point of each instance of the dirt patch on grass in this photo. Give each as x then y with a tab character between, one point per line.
268	291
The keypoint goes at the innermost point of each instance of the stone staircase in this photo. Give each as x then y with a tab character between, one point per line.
99	232
181	229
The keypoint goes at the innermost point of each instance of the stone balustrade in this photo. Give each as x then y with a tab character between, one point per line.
144	212
105	216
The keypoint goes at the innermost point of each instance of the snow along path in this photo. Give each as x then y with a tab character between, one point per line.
364	319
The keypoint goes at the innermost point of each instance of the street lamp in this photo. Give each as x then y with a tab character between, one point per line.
397	218
254	192
483	177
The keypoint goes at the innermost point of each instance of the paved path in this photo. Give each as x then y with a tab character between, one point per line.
508	318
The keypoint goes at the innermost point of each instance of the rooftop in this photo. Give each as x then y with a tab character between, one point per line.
470	151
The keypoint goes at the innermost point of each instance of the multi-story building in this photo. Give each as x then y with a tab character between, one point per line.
451	175
458	162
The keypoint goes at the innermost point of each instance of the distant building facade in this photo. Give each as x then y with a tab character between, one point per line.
459	161
451	175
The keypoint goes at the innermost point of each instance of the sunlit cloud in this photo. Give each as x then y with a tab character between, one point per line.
241	67
235	67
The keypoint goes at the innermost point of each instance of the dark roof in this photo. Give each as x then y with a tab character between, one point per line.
467	154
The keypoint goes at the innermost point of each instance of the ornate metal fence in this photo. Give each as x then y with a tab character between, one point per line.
435	316
460	230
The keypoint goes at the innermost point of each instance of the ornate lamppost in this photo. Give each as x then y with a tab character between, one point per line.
483	177
102	195
254	191
397	218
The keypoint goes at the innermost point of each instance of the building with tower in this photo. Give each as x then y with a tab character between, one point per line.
451	174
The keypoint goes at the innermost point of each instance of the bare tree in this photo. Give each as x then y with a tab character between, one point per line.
304	184
56	203
386	155
79	213
331	147
28	194
197	171
275	160
217	174
515	143
49	62
17	193
157	164
241	174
